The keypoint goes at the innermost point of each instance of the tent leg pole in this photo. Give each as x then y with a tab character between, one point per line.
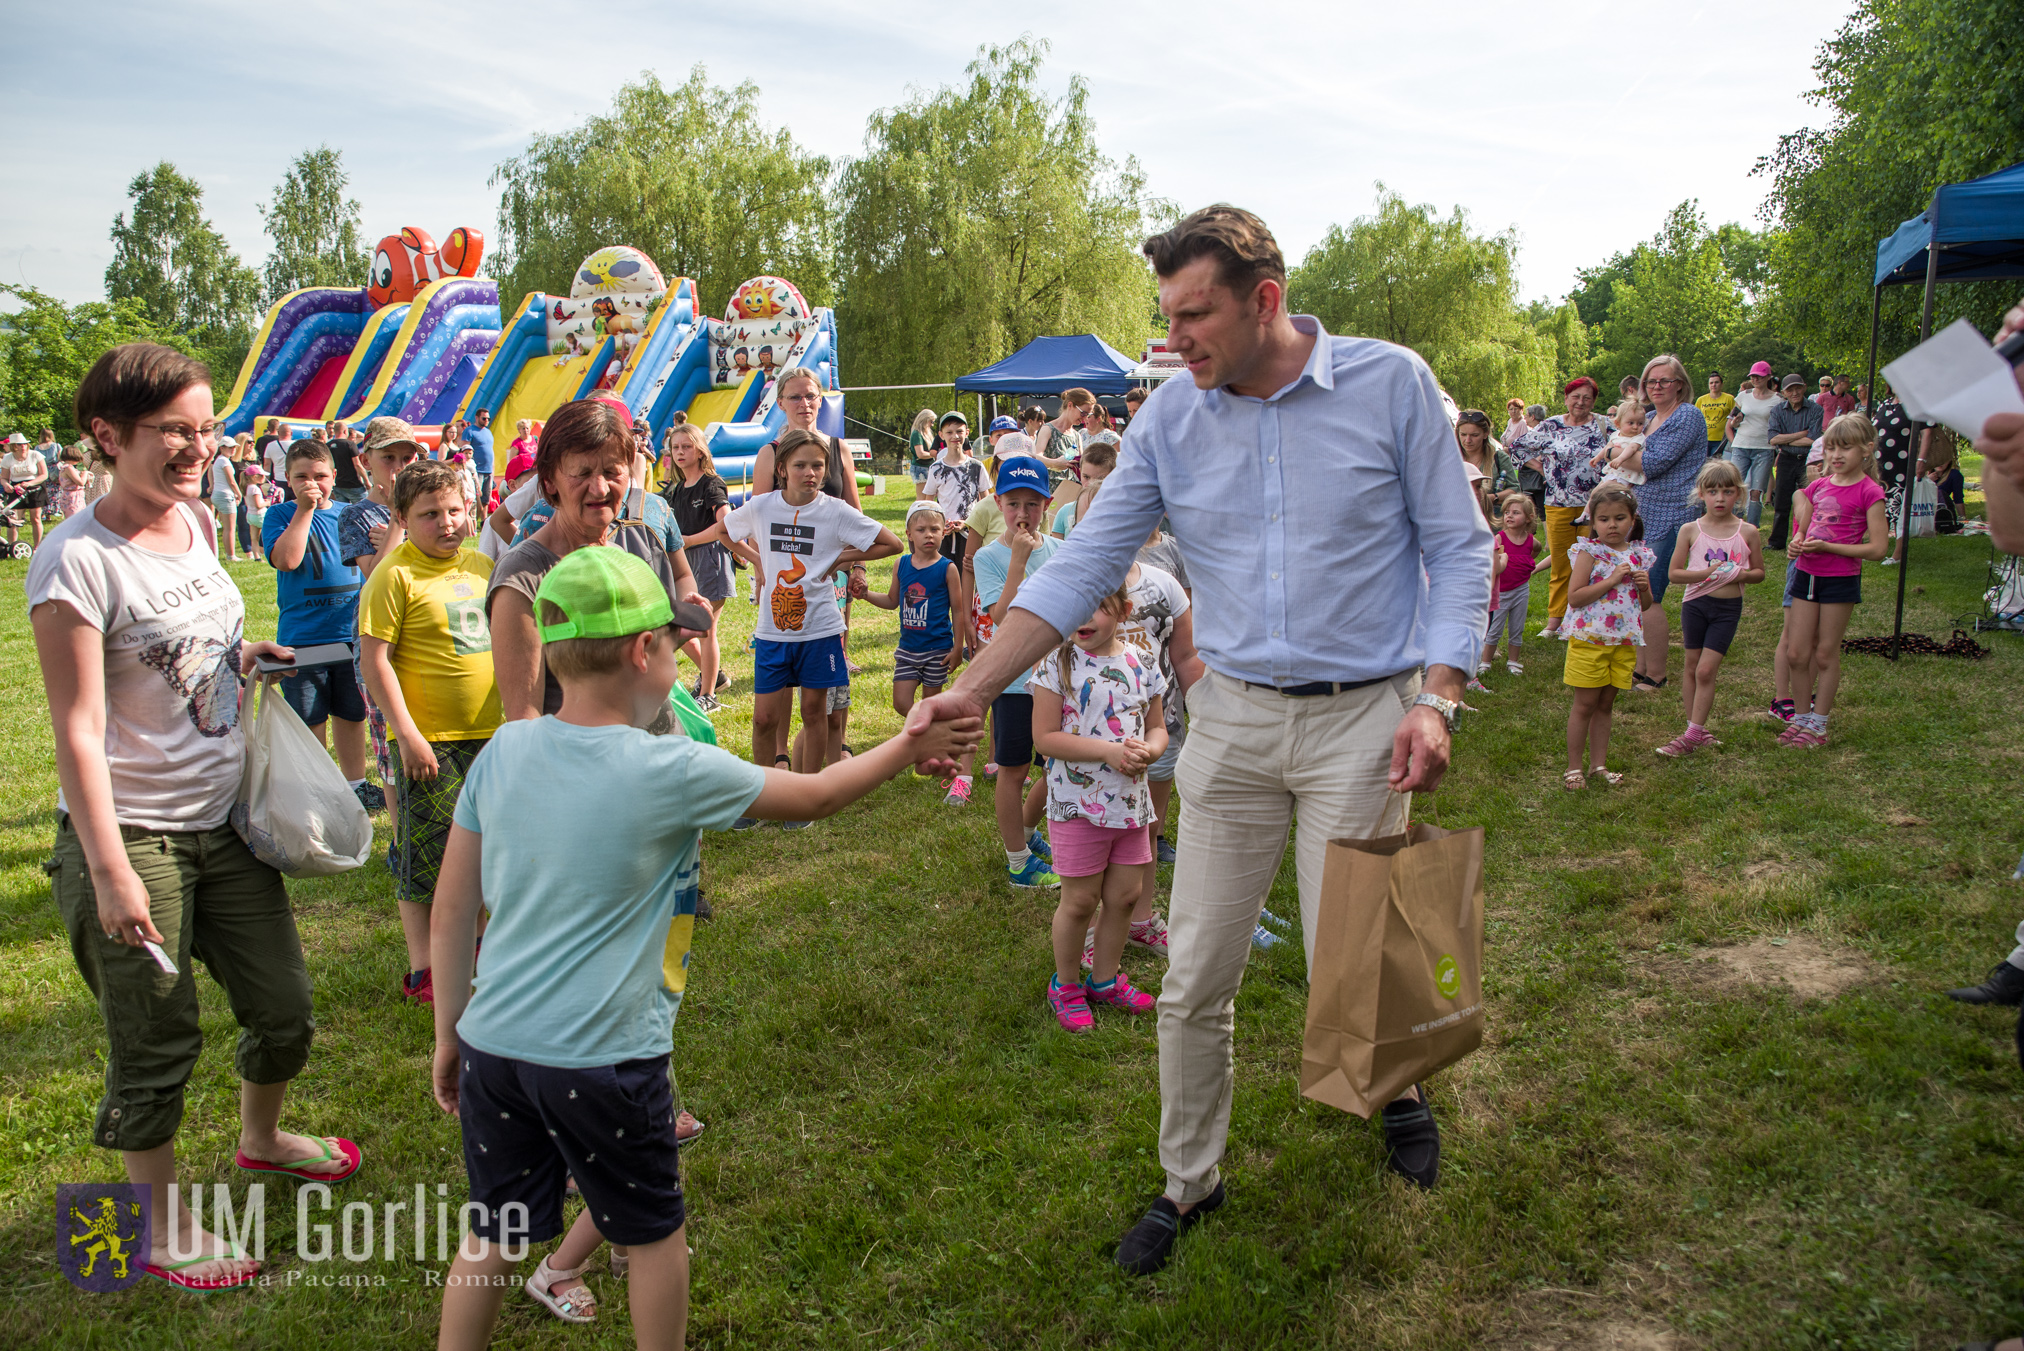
1918	429
1875	328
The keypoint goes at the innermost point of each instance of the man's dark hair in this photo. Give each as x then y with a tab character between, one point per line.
1244	250
131	381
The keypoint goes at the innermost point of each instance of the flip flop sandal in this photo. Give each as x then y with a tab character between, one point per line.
1574	781
204	1285
577	1308
1640	681
780	760
294	1168
1611	779
690	1138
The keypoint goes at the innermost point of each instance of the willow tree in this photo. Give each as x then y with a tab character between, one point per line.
980	218
1411	276
690	175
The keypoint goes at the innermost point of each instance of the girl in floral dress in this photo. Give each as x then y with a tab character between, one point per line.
1609	588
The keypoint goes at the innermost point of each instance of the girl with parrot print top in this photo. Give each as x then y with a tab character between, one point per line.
1098	716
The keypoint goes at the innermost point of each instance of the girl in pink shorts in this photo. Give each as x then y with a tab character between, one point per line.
1097	715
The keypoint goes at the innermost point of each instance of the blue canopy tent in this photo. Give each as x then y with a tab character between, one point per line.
1973	231
1051	365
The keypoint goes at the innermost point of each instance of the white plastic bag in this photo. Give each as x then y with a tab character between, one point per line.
295	811
1925	502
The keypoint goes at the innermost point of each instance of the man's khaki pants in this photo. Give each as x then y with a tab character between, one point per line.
1252	760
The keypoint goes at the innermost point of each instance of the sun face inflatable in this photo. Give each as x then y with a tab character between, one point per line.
766	298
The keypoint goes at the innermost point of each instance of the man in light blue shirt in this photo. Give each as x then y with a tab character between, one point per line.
1336	551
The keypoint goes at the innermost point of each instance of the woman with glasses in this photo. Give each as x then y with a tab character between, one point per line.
140	635
1675	448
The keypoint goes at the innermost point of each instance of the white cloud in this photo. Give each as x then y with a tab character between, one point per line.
1577	122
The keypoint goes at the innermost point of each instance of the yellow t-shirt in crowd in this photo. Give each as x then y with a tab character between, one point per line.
1716	409
432	612
986	520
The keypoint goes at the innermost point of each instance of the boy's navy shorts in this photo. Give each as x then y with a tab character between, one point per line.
1012	732
529	1127
319	693
817	664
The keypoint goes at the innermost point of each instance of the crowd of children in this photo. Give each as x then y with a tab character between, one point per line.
1838	520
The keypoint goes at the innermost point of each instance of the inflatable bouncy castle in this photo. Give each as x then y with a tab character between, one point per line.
625	329
409	342
424	340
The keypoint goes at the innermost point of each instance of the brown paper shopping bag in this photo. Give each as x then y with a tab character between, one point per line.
1397	990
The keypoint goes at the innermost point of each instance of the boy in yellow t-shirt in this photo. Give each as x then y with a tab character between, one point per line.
1715	406
426	651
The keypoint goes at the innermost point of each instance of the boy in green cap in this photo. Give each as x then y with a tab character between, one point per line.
578	832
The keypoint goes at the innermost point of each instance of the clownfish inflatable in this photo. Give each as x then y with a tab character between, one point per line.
404	263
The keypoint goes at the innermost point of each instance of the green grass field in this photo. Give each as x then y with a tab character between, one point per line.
1664	1142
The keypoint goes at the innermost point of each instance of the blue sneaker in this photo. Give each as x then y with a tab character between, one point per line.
746	823
1164	851
1034	874
1041	849
1263	938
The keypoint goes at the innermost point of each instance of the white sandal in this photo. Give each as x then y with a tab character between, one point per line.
577	1308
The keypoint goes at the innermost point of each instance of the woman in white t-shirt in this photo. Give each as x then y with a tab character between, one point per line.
225	502
26	475
1750	448
139	634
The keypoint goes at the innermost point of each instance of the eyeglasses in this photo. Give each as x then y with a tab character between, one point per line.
810	397
180	435
1661	380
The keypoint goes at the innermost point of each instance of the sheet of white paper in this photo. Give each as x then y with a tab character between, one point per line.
1955	378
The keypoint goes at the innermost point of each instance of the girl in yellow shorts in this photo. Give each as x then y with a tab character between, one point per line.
1610	586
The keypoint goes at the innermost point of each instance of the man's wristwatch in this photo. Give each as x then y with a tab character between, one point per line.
1449	710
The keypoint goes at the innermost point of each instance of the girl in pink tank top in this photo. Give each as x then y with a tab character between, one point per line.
1715	558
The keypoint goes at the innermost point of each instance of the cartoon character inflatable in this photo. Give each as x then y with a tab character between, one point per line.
766	298
404	263
614	269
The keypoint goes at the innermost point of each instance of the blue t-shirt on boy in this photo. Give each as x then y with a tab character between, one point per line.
480	441
924	606
318	596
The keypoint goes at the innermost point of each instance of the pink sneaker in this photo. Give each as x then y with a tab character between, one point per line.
1119	994
1803	737
1150	934
1686	743
1070	1005
959	792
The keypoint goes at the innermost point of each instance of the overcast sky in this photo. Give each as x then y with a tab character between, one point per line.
1578	123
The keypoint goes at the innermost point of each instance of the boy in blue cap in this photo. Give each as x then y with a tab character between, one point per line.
1001	567
578	832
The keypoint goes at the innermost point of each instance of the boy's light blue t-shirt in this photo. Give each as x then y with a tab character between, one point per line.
590	868
993	564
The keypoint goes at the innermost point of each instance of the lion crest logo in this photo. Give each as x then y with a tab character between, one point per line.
102	1233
